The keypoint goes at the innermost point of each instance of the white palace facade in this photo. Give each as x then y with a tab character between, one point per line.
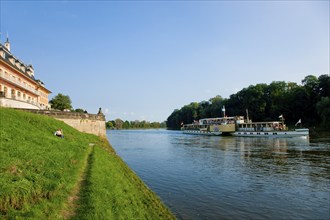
18	86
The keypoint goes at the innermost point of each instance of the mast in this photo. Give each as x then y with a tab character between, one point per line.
247	115
224	111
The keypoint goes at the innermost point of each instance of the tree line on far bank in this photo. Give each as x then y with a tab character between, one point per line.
120	124
309	102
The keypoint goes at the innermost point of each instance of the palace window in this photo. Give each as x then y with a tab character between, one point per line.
5	91
13	93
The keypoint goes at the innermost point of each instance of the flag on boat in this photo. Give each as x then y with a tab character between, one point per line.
299	122
281	116
181	124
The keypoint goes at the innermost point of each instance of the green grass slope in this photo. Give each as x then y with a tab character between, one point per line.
78	177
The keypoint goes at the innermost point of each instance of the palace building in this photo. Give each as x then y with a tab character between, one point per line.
18	86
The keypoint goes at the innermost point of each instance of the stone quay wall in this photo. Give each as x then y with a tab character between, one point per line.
84	122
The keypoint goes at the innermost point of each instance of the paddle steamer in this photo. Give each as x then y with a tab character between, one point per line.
212	126
239	126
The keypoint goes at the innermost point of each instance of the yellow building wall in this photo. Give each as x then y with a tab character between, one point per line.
20	87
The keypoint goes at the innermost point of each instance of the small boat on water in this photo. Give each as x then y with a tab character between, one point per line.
238	126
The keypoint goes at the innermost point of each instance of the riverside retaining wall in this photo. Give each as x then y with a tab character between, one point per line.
84	122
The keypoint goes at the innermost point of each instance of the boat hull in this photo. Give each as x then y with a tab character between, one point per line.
296	133
207	133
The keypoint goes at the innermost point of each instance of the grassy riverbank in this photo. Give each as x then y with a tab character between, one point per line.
78	177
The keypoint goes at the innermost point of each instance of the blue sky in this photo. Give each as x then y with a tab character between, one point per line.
140	60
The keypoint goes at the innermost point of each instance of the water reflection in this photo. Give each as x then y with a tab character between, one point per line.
203	177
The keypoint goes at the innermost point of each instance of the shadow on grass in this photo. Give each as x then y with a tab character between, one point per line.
85	206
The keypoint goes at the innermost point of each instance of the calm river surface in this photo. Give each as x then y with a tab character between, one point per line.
209	177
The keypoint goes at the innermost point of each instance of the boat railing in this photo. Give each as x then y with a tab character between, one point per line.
262	126
221	121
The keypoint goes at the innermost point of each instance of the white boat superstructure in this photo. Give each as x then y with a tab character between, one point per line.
264	129
212	126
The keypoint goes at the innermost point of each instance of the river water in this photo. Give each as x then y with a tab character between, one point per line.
212	177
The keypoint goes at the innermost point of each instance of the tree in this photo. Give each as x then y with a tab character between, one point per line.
323	109
324	85
119	123
204	109
80	110
110	125
216	106
175	119
311	83
61	102
126	125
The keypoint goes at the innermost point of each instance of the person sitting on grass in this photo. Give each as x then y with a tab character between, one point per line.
59	133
